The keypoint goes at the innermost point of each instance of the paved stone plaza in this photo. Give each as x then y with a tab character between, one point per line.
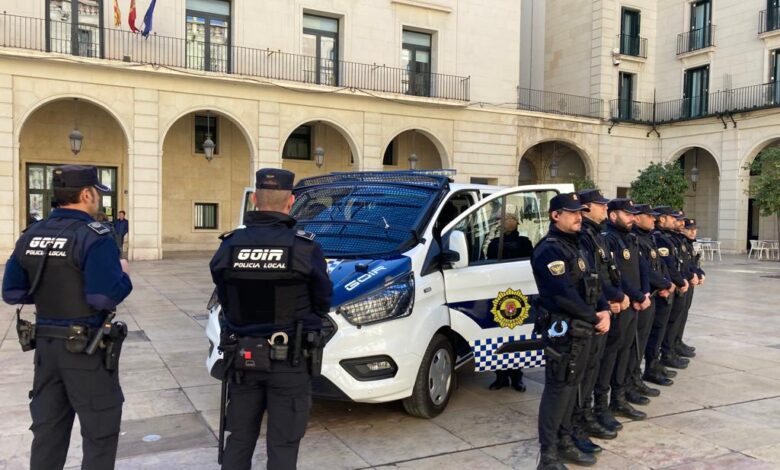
722	412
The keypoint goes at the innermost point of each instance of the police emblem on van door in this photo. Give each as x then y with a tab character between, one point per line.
261	259
510	308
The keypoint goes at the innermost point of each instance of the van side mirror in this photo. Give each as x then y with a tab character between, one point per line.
455	253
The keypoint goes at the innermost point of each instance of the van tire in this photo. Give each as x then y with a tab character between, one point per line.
441	356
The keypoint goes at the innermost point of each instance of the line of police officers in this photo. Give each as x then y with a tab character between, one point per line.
615	284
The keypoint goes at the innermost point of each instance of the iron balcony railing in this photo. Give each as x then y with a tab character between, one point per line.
768	20
696	39
196	54
559	103
719	103
635	46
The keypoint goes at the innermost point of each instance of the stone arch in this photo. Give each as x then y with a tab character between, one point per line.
702	200
576	161
674	156
751	225
329	123
444	157
754	151
585	156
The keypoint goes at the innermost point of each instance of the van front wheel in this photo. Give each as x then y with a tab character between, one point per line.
435	380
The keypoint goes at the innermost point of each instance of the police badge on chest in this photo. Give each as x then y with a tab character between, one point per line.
261	258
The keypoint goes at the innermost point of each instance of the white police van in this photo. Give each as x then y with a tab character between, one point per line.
424	280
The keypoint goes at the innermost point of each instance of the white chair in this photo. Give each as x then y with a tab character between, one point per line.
757	246
715	247
772	247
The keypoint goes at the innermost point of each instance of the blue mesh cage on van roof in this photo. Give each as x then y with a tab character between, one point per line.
433	179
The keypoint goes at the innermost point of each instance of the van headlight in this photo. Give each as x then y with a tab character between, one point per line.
394	300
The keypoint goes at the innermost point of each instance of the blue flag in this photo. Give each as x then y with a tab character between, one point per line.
148	19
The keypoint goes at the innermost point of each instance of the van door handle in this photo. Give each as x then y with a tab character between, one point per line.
427	289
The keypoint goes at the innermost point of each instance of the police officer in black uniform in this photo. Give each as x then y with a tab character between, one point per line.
663	235
594	246
68	266
669	354
273	285
622	335
689	230
569	292
660	286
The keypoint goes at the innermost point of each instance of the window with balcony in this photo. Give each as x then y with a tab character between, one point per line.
208	35
626	96
696	92
774	77
700	34
630	42
321	48
416	59
75	27
770	19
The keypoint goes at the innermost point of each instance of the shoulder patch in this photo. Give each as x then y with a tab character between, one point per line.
557	268
226	235
99	228
305	235
663	251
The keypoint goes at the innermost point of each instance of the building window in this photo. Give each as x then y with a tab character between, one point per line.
389	158
622	191
298	145
208	35
629	32
772	15
206	127
701	25
75	27
321	46
695	91
774	76
626	95
206	215
416	59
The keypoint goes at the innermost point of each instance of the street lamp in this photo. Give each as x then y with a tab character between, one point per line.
76	139
695	170
554	168
319	156
413	161
208	144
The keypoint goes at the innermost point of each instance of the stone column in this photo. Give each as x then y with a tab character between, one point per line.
372	143
145	165
732	198
269	144
9	181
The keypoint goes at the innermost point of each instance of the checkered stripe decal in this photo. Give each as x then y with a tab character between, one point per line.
485	357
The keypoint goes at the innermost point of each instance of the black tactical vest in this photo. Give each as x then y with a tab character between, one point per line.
603	262
648	250
60	292
579	270
627	256
267	279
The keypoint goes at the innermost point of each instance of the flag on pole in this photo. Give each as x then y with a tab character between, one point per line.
117	14
148	19
131	17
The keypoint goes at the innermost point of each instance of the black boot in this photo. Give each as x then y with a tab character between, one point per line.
675	362
502	380
568	452
633	396
689	348
604	416
516	377
621	407
594	429
656	377
583	443
549	460
668	373
684	351
643	389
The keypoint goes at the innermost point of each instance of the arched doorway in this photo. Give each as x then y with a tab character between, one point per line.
551	162
412	149
701	199
202	198
759	227
318	147
45	142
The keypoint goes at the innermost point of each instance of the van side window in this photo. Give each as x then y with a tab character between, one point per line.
507	228
454	206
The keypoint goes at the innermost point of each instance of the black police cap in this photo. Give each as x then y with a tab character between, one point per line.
274	178
690	223
664	210
622	204
678	214
646	209
76	177
569	202
588	196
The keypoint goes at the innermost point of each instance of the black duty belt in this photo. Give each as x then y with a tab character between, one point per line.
51	331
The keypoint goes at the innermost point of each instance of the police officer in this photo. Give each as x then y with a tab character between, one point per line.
569	292
663	235
669	355
68	266
689	231
613	376
660	286
273	285
594	246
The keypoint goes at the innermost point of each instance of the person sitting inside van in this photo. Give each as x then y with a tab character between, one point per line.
516	246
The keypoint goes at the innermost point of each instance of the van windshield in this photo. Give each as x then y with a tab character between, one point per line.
353	220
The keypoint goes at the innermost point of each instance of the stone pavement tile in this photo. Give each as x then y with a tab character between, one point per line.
172	331
147	379
699	367
468	460
204	397
195	358
726	462
669	402
482	426
656	446
17	367
479	382
734	360
192	376
320	449
139	356
517	455
771	372
724	389
16	420
396	437
144	405
528	408
16	393
15	450
204	458
721	429
175	432
769	454
766	412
